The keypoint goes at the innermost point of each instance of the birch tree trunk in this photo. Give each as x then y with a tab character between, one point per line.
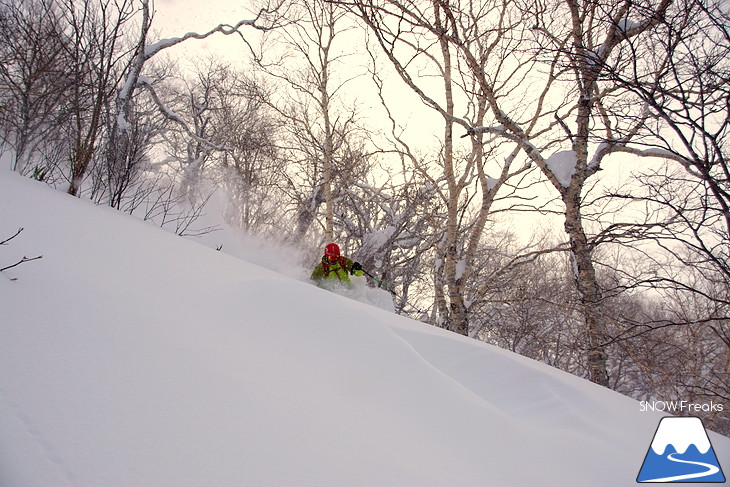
589	293
316	33
457	313
328	144
455	42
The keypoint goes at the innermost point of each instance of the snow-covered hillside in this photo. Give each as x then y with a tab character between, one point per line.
130	357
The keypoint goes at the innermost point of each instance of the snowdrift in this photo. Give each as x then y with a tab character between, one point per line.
132	357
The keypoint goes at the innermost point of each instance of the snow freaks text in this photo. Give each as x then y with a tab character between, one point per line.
680	406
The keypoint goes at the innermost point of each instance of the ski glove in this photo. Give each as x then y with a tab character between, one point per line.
356	269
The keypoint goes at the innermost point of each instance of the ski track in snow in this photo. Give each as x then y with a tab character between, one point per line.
38	438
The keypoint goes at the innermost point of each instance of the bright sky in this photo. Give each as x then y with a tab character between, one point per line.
424	127
174	18
191	15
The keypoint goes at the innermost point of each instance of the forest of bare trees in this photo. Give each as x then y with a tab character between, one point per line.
563	191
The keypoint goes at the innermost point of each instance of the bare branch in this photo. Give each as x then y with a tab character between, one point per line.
3	242
21	261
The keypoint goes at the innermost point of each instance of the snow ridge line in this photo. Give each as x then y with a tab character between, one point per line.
577	414
453	380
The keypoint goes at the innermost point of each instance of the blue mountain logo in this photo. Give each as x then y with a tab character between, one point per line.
681	452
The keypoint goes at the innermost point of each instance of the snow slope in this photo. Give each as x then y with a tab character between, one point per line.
132	357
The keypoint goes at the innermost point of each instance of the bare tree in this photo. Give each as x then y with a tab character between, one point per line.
122	74
231	111
538	69
99	55
318	117
579	51
684	83
32	81
127	143
526	307
191	143
682	77
252	163
439	38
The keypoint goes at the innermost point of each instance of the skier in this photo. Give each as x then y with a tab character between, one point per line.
335	268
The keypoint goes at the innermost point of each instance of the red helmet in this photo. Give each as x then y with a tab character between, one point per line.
332	250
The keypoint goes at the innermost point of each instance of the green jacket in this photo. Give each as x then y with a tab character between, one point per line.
334	271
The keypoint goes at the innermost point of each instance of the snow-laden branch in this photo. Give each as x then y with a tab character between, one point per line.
172	115
124	97
492	130
146	52
225	29
650	152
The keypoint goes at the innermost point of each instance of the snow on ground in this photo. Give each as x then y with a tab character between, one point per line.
132	357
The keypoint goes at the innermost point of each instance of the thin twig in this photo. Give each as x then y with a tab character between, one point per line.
21	261
9	239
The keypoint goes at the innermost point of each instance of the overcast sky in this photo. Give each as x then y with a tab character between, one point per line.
174	18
